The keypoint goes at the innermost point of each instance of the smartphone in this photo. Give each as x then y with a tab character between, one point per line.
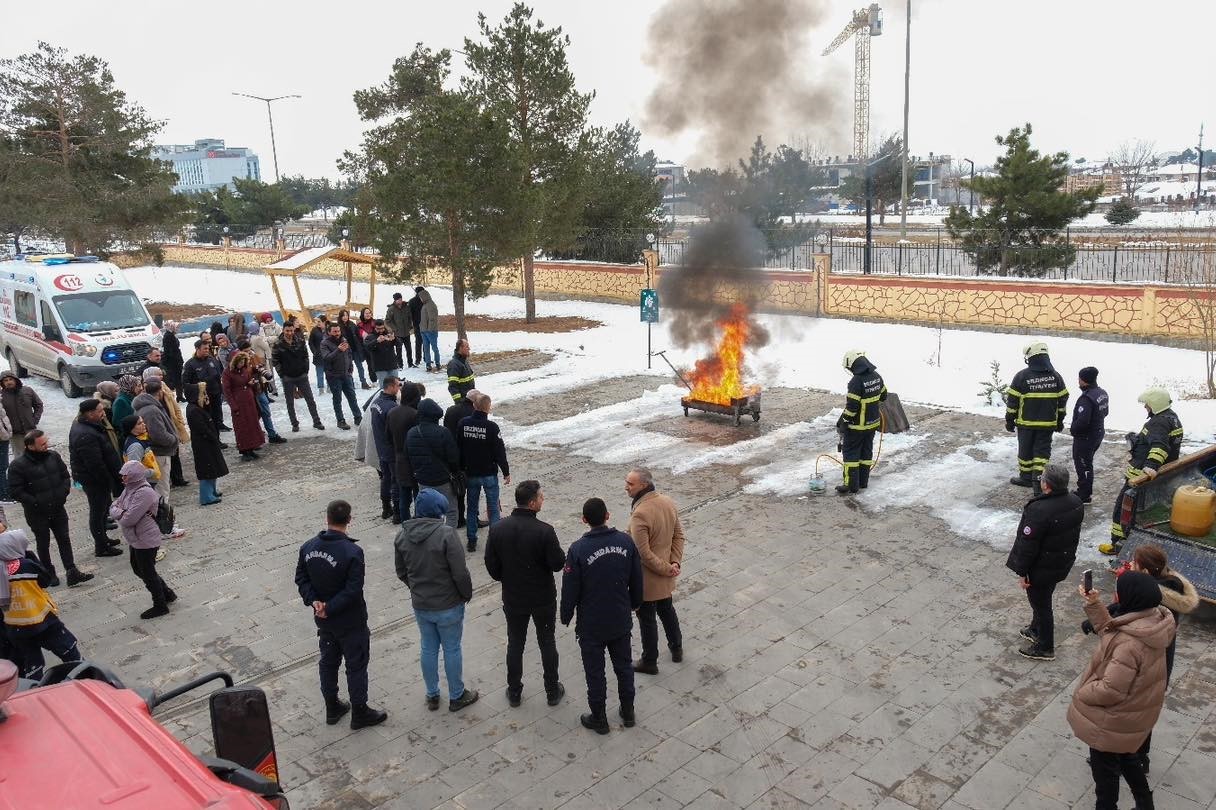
1087	580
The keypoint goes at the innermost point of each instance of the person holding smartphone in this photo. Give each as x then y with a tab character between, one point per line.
1043	553
1120	695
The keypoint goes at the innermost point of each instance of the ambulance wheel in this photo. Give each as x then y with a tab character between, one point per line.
15	365
70	388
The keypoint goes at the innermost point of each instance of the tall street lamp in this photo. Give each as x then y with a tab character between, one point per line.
270	116
869	176
971	187
903	174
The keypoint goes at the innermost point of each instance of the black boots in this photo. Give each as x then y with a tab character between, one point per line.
627	717
335	710
467	699
845	489
76	576
386	511
555	697
364	716
157	609
646	667
597	721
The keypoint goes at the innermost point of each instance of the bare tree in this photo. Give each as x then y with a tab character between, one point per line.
1198	277
1131	160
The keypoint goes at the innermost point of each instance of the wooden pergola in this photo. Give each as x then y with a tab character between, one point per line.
292	266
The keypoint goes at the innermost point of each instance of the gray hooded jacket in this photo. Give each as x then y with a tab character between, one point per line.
430	561
162	435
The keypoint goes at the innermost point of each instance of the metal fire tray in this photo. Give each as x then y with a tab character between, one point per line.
737	407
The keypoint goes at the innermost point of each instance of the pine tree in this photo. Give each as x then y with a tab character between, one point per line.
886	179
1122	212
438	174
1020	232
519	74
76	143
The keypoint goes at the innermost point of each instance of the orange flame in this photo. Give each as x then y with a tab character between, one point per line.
719	377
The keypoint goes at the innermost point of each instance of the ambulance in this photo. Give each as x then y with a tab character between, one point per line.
72	318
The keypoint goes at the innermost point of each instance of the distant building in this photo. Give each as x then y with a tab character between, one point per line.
674	185
208	165
929	175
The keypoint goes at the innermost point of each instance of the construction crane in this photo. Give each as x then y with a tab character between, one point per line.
866	23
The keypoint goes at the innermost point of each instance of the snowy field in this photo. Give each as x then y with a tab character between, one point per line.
804	352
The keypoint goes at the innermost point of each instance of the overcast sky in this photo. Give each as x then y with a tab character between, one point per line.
1087	73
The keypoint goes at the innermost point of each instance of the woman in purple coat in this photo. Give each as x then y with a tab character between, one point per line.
135	512
239	385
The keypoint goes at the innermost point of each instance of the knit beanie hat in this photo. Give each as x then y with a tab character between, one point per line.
431	503
1137	591
1088	375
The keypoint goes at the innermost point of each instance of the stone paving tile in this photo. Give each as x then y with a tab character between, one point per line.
839	672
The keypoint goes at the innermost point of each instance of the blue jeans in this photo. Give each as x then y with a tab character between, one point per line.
320	377
206	491
345	385
263	400
472	500
358	360
381	376
4	471
441	627
430	347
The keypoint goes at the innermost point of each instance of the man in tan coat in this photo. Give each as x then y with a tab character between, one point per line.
655	528
1119	698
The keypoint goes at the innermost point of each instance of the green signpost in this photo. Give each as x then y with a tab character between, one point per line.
649	309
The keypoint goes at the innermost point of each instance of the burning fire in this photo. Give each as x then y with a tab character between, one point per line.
719	378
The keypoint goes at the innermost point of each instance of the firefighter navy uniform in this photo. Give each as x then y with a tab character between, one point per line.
1035	404
859	422
1157	443
1088	429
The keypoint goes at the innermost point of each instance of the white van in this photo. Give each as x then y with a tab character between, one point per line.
74	319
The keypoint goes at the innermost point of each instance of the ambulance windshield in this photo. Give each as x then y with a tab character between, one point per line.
101	311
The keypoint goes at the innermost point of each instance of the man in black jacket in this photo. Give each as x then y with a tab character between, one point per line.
400	420
1035	404
96	465
335	353
522	551
329	576
39	480
415	305
602	581
203	367
434	458
456	413
380	349
1088	428
289	355
460	373
1043	553
859	421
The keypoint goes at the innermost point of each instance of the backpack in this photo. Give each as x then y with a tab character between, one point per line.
164	517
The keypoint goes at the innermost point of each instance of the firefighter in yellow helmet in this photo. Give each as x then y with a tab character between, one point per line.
859	421
1157	443
1035	404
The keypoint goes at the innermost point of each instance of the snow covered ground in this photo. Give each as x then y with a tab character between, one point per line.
804	352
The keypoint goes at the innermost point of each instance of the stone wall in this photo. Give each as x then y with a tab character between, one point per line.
1145	311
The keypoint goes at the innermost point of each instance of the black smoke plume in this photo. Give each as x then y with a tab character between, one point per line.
720	268
734	68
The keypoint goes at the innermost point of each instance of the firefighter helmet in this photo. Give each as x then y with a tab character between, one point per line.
1157	399
851	357
1034	350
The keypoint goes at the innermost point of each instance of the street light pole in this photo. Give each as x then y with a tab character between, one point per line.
971	187
270	116
1199	174
903	190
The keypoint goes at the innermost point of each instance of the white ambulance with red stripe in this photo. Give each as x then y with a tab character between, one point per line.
72	318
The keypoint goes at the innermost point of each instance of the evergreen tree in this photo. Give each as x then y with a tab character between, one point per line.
75	142
886	179
769	188
438	172
1122	211
1020	232
519	74
622	201
263	204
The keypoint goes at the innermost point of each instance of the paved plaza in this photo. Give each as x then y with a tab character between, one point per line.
834	657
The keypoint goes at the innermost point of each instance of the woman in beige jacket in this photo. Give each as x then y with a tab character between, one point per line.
1120	695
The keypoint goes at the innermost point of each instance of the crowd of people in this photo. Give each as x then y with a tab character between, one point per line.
435	466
